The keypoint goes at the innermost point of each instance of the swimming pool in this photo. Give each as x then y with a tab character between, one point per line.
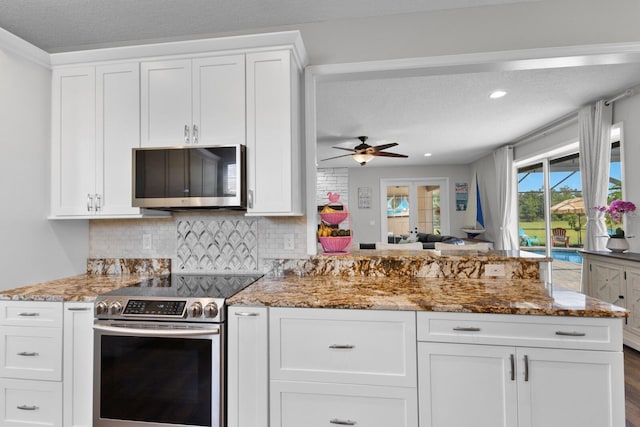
561	255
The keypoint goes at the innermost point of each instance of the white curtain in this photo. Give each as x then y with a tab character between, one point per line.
594	123
507	236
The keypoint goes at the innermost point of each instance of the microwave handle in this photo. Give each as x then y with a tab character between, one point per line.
250	199
186	134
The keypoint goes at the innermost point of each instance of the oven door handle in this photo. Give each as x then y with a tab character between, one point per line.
156	332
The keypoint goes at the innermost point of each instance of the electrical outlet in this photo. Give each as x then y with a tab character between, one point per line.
288	242
147	241
494	270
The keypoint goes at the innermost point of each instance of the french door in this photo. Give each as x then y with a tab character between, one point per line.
412	206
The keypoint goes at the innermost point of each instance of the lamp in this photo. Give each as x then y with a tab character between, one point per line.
362	158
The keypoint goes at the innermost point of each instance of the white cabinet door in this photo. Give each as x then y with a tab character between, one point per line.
165	103
247	367
73	141
570	388
25	403
218	100
78	364
118	131
632	276
606	282
466	385
273	134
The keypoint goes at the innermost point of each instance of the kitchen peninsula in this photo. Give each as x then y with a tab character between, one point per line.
385	338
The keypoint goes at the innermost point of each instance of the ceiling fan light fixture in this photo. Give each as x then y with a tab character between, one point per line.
362	158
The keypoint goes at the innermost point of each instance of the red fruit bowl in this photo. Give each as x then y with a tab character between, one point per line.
334	218
335	244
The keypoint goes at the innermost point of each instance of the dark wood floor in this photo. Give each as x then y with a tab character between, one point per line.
632	386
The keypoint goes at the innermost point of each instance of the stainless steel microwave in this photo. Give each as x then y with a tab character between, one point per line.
175	178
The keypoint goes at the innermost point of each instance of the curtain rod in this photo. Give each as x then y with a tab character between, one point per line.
544	130
624	94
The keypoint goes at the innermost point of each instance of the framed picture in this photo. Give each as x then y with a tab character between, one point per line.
364	197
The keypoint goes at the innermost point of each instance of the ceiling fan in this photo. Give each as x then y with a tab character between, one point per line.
363	152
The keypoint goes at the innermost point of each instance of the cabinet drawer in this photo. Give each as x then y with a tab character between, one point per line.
346	346
585	333
31	353
321	404
31	313
25	403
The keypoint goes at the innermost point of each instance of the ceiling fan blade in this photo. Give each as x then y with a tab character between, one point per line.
346	149
385	154
336	157
385	146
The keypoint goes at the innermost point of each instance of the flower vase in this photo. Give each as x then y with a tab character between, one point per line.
617	244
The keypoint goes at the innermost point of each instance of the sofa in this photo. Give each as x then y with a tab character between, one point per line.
428	240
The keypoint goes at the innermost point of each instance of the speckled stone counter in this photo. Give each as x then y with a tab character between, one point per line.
464	264
428	294
83	288
625	256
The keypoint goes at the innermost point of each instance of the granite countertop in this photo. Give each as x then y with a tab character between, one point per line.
82	288
423	294
626	256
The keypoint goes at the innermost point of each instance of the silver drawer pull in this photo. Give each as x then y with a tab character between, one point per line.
342	422
466	329
342	346
79	308
27	407
571	334
29	314
27	353
246	314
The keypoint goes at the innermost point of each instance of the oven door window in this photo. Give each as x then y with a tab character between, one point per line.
157	380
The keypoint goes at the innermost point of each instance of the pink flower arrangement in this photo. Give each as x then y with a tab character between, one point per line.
616	210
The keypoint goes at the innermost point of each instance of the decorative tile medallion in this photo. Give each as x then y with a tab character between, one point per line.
217	245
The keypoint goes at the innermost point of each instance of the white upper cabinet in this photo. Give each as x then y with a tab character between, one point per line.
274	135
193	101
95	124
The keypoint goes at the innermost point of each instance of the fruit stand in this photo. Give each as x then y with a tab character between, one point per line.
333	238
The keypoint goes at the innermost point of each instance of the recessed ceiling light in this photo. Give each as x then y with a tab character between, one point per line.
497	94
427	154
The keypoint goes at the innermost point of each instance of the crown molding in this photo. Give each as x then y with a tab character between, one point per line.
245	43
24	49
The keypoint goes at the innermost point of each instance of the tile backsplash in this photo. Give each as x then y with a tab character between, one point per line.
202	241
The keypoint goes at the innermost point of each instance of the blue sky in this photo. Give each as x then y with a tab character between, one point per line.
534	181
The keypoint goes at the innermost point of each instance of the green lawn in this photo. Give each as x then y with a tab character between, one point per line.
536	228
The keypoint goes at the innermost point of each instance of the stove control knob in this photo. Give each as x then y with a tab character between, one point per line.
115	308
195	309
211	310
101	308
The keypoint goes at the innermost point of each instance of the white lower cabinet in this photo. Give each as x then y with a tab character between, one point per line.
78	364
30	364
470	380
342	367
247	367
321	404
616	280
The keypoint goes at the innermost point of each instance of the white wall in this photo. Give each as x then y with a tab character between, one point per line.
32	249
627	111
361	219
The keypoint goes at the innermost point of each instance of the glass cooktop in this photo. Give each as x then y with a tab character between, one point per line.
189	286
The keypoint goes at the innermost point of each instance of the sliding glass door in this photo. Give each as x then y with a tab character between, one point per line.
413	206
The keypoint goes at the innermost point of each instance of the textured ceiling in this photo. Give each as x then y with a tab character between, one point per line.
64	25
451	116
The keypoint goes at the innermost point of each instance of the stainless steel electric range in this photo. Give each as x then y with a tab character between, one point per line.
159	351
